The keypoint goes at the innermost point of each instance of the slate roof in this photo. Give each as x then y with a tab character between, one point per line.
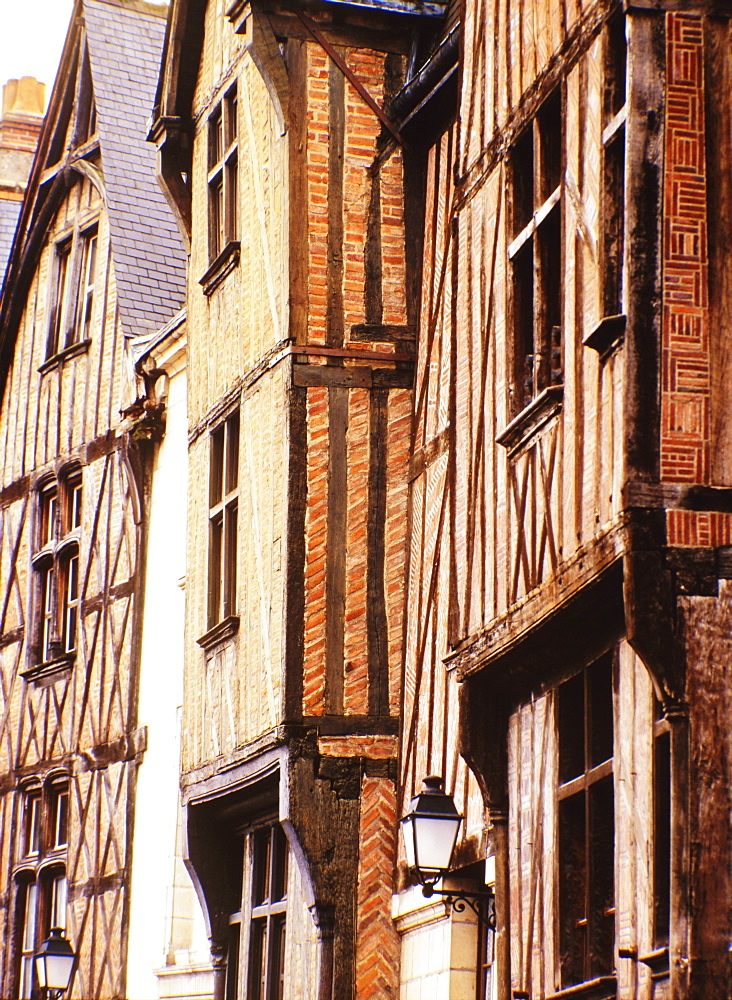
125	43
9	212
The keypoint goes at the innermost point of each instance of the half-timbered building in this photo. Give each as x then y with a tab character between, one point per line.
568	618
97	259
288	181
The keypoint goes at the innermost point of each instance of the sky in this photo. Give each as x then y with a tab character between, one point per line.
32	36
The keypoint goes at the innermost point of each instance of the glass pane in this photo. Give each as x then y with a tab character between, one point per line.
63	253
600	707
231	196
229	604
74	505
71	602
58	902
662	838
232	452
258	960
216	534
602	877
47	597
572	889
522	168
216	480
215	139
32	824
434	842
279	864
216	218
571	711
28	941
60	816
276	985
549	259
232	963
616	55
550	141
48	516
231	113
527	356
262	866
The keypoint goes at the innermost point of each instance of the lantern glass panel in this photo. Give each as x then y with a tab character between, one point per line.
434	841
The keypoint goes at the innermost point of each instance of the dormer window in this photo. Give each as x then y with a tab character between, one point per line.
74	273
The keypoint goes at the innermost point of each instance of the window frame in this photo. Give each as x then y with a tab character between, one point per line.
74	277
269	853
223	519
582	883
56	565
222	180
536	162
40	875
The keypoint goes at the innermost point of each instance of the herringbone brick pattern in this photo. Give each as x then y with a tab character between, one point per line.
377	943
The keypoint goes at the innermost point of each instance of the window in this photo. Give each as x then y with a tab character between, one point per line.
613	142
222	174
661	828
72	290
586	824
269	905
40	873
56	563
223	518
535	252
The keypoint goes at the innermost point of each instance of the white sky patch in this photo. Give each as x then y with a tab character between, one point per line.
32	37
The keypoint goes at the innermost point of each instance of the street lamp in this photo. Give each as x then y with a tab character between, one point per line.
430	832
54	963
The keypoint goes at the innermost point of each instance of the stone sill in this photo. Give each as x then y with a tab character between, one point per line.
221	267
532	419
49	671
219	633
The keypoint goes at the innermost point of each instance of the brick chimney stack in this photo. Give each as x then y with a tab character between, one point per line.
20	126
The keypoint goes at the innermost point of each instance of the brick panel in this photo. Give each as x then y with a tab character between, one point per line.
698	528
377	942
315	529
686	385
355	689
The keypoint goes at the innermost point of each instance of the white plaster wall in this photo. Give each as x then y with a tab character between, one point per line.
439	949
166	924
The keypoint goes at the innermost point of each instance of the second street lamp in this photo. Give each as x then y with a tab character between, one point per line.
54	964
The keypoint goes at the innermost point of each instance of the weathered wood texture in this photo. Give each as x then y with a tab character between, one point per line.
610	484
81	722
290	339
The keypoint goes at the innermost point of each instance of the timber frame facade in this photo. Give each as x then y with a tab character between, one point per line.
568	621
301	327
94	229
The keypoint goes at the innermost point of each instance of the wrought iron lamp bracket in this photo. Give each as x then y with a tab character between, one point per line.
483	904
